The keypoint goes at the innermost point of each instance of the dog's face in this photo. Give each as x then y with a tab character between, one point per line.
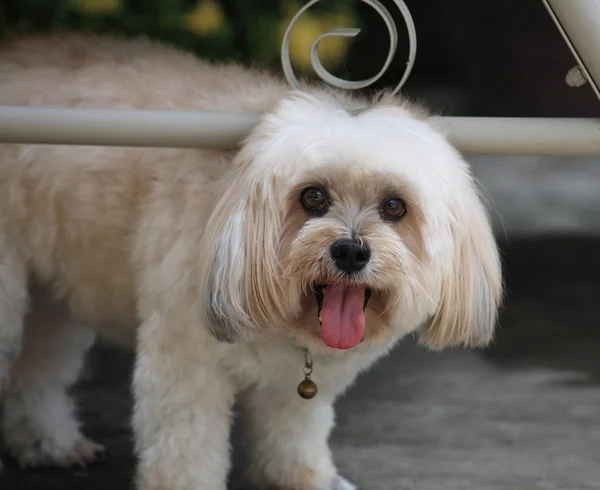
342	229
351	249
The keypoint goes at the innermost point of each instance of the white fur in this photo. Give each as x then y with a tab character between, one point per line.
174	250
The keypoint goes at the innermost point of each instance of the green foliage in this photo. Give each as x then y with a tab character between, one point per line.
247	30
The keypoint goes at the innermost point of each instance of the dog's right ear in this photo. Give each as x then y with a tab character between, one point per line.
240	278
242	282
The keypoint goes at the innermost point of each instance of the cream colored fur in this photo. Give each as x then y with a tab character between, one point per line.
204	260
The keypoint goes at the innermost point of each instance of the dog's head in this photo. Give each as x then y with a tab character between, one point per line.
339	228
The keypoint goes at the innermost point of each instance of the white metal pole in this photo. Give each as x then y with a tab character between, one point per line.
579	23
576	137
186	129
110	127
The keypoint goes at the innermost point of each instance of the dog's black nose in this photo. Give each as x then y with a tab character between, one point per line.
349	255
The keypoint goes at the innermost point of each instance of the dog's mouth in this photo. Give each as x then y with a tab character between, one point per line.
341	311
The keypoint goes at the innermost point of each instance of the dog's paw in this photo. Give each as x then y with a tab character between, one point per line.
46	453
340	483
86	451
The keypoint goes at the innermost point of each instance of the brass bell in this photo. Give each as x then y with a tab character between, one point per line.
307	389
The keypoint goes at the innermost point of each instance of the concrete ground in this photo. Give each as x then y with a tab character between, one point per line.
541	195
522	415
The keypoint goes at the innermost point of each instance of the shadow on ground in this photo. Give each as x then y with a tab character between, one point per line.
524	414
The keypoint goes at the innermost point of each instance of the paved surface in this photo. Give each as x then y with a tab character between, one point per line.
522	415
533	195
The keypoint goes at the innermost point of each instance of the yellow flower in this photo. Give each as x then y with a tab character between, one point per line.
206	17
332	50
98	6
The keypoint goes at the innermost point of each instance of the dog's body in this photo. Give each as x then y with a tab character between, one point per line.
197	248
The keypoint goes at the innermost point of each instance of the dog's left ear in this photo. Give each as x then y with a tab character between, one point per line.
471	280
240	271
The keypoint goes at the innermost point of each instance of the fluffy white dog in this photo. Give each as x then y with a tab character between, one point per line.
339	226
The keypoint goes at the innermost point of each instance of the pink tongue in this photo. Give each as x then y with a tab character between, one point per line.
342	316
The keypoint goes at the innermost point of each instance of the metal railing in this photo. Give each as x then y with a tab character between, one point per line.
577	20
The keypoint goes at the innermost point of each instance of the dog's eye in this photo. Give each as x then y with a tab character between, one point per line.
393	209
314	200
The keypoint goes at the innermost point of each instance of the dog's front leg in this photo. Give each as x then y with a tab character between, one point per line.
289	438
182	410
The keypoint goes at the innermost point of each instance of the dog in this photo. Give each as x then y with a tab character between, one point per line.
340	225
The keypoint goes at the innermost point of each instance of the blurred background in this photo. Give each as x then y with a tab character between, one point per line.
523	414
474	58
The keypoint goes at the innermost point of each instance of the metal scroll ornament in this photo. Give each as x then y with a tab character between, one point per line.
353	32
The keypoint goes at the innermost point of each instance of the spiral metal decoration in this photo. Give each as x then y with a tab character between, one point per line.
353	32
